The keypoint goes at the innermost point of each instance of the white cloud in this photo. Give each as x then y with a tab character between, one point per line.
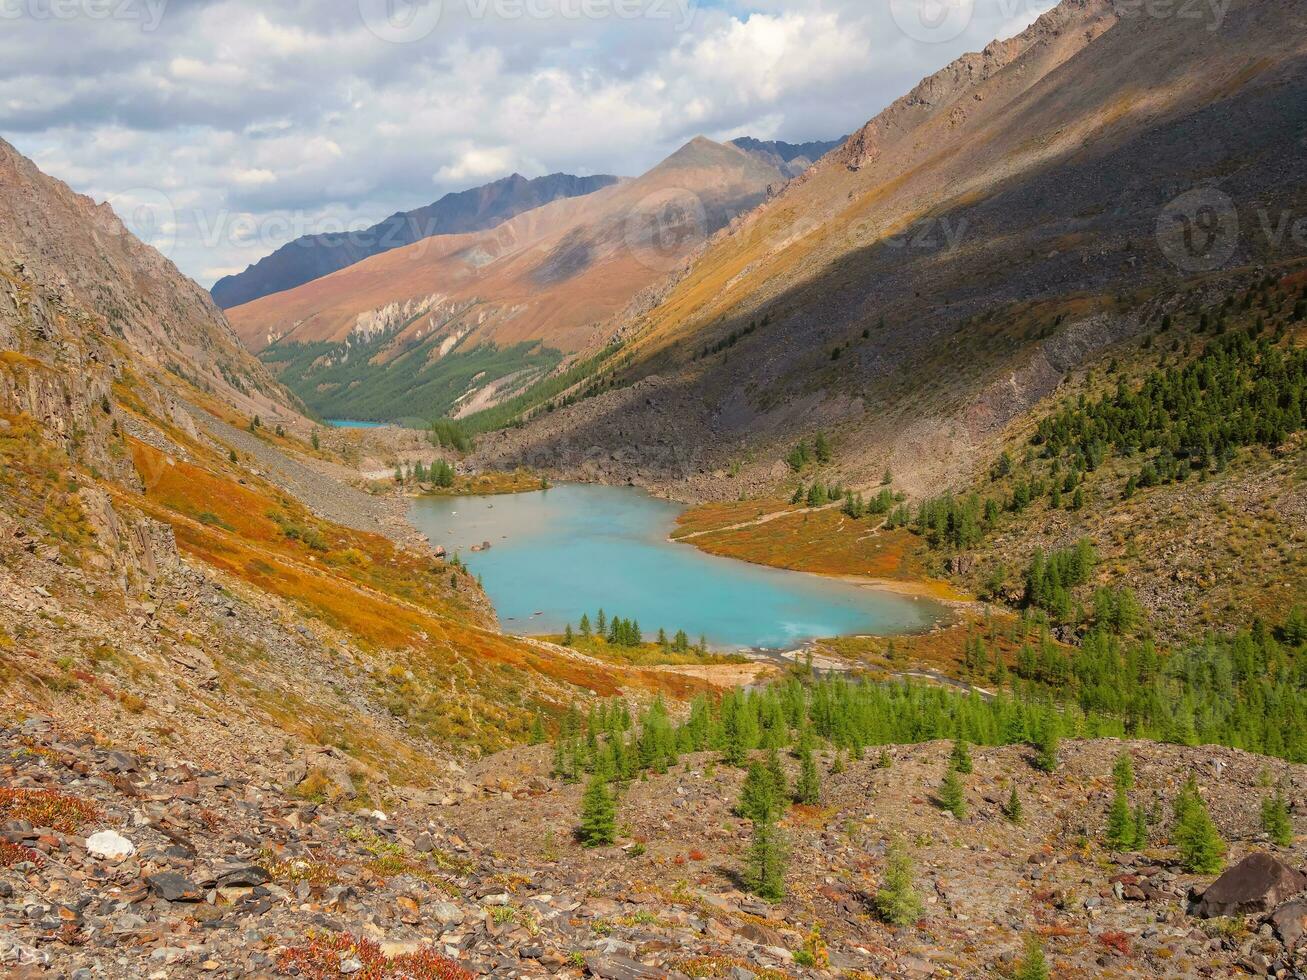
477	164
262	119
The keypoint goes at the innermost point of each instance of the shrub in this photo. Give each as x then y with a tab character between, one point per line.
320	959
46	808
11	854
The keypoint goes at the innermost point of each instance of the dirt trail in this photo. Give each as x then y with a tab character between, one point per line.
758	521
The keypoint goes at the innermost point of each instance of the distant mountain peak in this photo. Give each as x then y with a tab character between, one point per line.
311	257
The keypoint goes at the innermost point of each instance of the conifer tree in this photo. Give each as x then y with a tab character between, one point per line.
960	760
952	796
759	799
1141	828
1120	822
808	788
1012	809
897	901
601	623
1123	772
1202	851
568	637
1033	966
780	785
765	870
1046	746
1275	820
598	815
586	630
885	761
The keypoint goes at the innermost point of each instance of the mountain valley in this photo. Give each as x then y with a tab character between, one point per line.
1029	348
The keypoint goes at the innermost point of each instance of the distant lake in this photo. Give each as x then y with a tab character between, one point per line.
351	424
575	549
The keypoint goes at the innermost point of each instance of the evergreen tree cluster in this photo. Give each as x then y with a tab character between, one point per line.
440	473
1242	390
1050	578
803	454
856	507
818	495
847	714
1248	690
627	633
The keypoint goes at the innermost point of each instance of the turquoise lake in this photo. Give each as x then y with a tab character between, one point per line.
558	553
351	424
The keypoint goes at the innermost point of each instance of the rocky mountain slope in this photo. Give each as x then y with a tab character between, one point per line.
129	862
422	330
82	302
314	256
936	277
178	556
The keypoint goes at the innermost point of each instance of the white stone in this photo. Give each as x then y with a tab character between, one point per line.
110	845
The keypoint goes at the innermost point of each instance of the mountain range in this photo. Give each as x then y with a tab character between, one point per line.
313	256
464	320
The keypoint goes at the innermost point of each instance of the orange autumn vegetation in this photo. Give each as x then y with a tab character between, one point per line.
942	650
708	517
446	668
825	542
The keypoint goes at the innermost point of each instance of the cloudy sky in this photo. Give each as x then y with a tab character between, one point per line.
221	129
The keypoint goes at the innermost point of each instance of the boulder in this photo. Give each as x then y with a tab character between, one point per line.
1290	922
1258	883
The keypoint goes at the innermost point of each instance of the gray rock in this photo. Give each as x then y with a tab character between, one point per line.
172	887
446	913
1290	923
622	968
